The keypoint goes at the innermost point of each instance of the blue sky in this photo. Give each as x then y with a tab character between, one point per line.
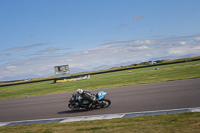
37	35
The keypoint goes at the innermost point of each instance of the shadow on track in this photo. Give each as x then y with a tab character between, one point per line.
76	111
71	111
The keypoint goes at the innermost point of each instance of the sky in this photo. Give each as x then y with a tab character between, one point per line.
36	35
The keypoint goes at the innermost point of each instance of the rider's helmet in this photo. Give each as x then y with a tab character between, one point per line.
79	91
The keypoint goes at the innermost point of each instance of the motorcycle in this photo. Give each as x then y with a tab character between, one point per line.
76	102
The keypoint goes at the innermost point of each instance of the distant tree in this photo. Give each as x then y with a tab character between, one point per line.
159	61
144	63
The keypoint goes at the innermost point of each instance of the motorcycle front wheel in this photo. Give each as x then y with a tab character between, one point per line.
105	102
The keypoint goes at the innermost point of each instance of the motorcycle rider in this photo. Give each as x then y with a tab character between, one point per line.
87	96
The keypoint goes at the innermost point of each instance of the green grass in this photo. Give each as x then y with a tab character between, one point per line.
173	123
171	72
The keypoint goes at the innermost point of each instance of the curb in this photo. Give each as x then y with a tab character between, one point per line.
101	117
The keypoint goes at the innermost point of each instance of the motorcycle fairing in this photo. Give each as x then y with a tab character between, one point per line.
101	95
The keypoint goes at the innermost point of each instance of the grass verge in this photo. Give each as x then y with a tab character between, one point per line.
173	123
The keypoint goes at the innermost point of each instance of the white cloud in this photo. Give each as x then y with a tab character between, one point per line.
183	43
197	39
197	47
142	42
123	25
138	17
11	67
184	50
68	60
30	70
148	55
25	47
85	52
177	51
110	54
142	48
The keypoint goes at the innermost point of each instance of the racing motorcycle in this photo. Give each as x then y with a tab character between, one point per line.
76	102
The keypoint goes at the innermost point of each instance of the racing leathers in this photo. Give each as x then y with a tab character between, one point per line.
86	95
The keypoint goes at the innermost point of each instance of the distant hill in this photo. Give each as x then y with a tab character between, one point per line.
102	67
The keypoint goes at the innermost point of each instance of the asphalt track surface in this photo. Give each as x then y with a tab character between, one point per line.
136	98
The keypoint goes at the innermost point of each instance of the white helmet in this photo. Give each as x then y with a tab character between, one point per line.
79	91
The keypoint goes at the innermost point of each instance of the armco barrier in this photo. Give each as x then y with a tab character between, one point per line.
94	73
